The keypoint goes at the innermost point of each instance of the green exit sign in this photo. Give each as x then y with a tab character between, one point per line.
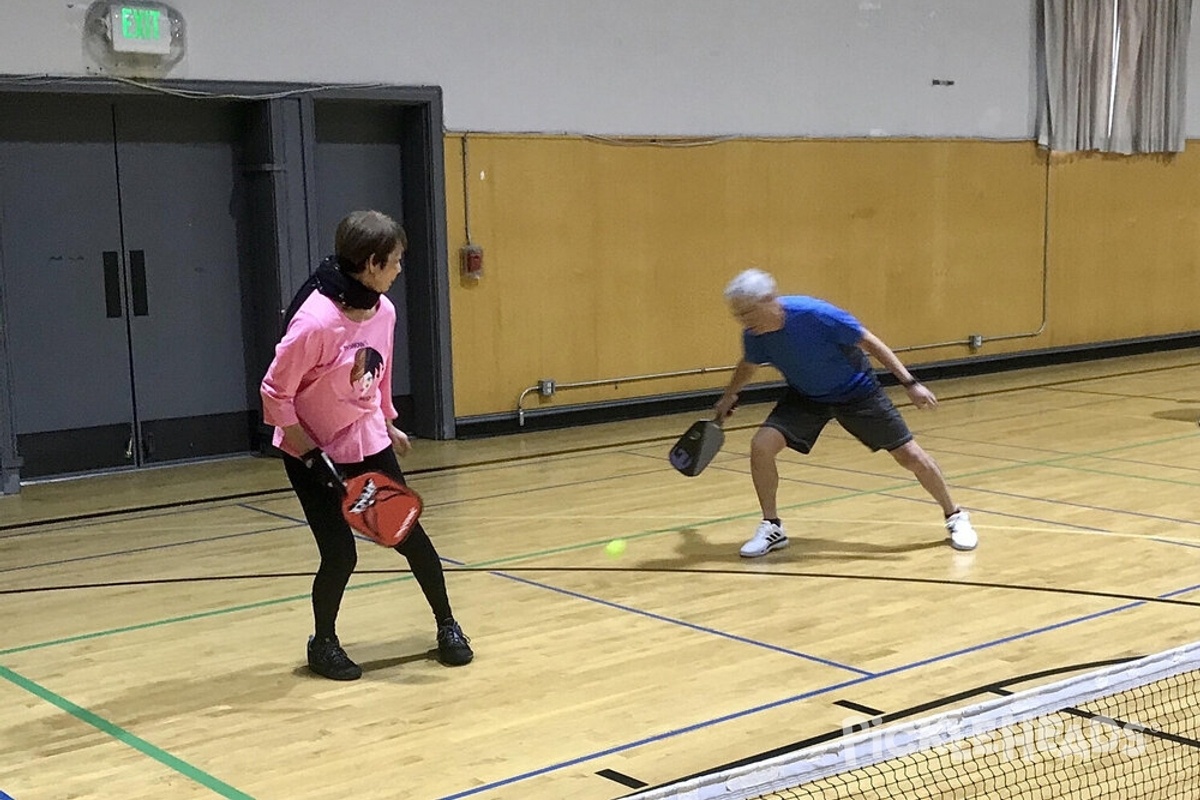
140	23
140	28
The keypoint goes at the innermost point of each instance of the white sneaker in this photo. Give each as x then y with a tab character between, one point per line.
962	534
767	537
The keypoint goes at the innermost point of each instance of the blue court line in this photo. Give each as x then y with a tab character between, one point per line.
1178	592
275	514
969	488
1171	541
991	512
120	516
1060	453
811	693
867	473
865	677
886	493
1102	509
545	487
1056	523
802	696
777	703
682	623
965	487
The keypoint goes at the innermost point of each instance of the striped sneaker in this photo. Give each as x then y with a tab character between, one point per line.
767	537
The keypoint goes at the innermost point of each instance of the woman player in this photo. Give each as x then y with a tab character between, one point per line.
329	389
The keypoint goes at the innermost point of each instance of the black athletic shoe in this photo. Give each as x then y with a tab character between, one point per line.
326	657
453	650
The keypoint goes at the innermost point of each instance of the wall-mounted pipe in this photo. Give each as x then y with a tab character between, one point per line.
548	388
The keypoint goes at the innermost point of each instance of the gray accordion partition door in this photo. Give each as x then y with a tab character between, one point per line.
181	208
119	249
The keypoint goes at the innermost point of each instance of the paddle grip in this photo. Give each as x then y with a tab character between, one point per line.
328	473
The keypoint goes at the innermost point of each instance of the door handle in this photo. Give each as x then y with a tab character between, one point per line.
112	285
137	281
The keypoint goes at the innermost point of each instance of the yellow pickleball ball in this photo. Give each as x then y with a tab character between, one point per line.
615	548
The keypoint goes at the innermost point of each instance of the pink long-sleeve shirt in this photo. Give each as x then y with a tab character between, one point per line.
333	376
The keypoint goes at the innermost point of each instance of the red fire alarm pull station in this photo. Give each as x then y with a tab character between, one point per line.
472	261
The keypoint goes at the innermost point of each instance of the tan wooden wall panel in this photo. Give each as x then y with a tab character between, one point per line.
607	260
1124	246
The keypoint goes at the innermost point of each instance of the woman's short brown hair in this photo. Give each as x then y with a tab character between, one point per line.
362	234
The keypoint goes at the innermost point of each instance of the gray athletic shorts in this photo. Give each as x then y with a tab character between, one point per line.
873	420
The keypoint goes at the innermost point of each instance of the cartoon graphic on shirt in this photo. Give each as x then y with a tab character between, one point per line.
368	367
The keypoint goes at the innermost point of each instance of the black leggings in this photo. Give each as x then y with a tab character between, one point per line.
339	553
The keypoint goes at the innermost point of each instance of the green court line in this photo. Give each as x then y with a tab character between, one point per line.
189	617
1070	456
908	484
225	790
1126	475
120	734
83	637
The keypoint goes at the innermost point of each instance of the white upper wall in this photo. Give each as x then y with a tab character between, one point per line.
618	67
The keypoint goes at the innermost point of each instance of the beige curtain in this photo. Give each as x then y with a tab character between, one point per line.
1113	74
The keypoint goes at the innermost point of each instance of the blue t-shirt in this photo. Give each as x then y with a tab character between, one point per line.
816	350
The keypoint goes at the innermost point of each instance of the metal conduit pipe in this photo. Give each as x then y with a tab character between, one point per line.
548	387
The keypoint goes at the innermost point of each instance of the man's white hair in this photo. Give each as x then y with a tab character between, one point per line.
753	284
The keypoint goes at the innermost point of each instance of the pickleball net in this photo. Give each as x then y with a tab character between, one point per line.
1129	730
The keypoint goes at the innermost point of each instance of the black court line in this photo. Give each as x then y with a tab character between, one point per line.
116	512
861	709
542	487
516	459
140	519
298	521
1068	457
1136	727
1168	601
1049	451
624	780
151	548
1086	506
920	709
858	577
1102	456
553	453
1127	396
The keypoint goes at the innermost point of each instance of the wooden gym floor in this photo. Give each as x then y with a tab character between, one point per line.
154	623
